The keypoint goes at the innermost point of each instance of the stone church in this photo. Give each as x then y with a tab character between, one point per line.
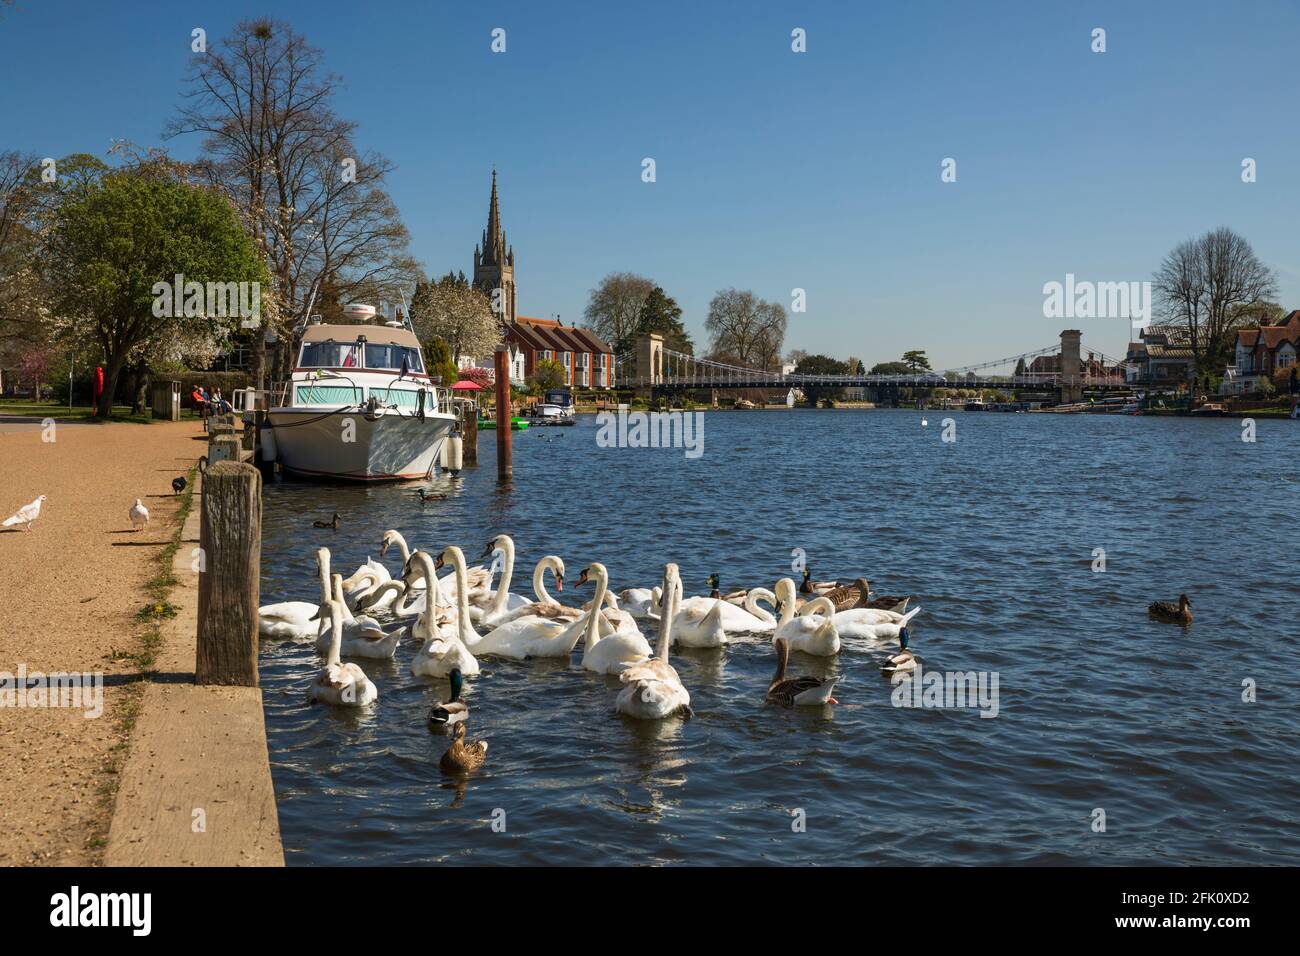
494	261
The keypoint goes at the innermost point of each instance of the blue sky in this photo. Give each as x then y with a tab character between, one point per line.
775	170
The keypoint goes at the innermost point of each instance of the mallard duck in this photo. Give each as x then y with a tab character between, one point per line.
806	691
809	586
426	495
453	710
462	758
332	523
713	586
1180	613
904	660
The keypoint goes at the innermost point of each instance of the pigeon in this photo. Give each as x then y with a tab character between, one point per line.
139	515
178	484
26	514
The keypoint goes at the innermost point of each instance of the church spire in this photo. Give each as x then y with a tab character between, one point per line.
493	238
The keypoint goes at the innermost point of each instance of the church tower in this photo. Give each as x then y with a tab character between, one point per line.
494	261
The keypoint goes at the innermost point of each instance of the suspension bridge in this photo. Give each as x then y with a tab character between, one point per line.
663	370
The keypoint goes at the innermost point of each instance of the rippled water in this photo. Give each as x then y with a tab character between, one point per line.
1099	707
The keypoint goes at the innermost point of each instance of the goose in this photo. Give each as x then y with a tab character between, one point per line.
522	638
858	594
343	685
297	620
462	758
362	636
491	607
614	652
1180	613
865	622
806	632
903	661
454	710
446	640
804	691
654	690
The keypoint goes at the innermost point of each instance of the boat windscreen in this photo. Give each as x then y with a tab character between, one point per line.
330	355
390	357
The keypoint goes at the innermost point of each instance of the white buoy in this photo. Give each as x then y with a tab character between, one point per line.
453	454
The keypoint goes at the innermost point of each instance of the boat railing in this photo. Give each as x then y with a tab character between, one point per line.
250	399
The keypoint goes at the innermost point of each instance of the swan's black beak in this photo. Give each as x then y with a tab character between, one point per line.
779	605
559	583
491	546
438	563
582	577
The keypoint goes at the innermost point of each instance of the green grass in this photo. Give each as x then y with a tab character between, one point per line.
130	698
60	411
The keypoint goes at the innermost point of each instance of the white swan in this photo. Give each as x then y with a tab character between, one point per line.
362	637
521	638
343	685
296	620
445	645
641	603
363	582
734	620
608	653
653	688
807	632
545	605
862	622
700	625
492	607
393	537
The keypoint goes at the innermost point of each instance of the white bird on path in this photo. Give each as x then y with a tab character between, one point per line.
26	514
139	515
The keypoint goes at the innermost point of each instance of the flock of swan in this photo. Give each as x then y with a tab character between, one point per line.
461	617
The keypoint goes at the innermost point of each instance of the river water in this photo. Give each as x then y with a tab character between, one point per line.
1098	708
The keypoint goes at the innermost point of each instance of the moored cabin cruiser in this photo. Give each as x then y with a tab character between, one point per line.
359	404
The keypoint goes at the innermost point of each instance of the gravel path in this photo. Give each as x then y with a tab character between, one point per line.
69	591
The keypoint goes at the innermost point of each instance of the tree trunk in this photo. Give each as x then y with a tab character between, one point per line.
111	375
140	397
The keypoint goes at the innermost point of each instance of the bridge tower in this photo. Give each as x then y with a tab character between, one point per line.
1071	367
649	363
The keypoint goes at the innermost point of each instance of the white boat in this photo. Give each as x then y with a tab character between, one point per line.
359	405
557	409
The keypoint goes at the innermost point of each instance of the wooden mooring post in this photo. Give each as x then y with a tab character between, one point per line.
501	365
469	431
230	543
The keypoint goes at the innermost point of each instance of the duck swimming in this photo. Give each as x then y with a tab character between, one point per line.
451	711
1180	613
903	661
332	523
806	691
463	758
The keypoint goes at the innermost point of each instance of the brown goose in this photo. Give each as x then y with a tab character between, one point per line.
858	594
462	758
803	691
1180	613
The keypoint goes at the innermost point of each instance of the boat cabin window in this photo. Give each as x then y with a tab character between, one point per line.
335	396
330	355
390	356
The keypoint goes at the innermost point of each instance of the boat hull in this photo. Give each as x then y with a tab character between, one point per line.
351	447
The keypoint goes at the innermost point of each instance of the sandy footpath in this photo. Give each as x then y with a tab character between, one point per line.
69	592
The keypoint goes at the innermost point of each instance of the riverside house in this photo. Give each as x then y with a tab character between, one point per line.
1262	351
587	361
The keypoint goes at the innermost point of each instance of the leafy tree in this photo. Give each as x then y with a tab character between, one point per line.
820	365
915	360
890	368
661	314
547	373
438	357
459	315
122	235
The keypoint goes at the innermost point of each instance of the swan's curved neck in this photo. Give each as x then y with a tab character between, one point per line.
751	604
346	612
323	568
821	605
785	591
403	549
593	616
335	654
539	580
672	598
464	630
503	587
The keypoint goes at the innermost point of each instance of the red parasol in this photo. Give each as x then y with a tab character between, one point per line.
465	385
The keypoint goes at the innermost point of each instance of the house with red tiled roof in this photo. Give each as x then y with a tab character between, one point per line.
1162	355
587	361
1262	351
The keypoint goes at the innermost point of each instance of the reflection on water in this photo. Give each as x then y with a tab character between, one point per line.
1099	707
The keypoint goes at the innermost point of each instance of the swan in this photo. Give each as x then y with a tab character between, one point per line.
735	620
865	622
490	607
362	636
446	641
393	537
343	685
524	637
545	605
296	620
641	603
804	691
608	653
700	625
806	632
653	688
364	581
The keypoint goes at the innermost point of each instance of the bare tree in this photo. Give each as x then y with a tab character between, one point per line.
614	310
746	330
1204	284
311	200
